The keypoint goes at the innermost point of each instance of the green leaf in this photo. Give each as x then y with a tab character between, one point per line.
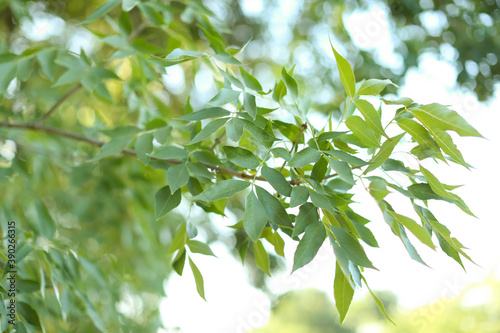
290	83
330	135
45	221
143	147
227	59
70	76
177	56
365	234
198	278
282	153
299	196
170	153
352	248
8	70
343	292
215	112
177	176
384	153
257	132
343	170
309	245
371	116
346	157
102	10
319	169
28	313
222	189
275	211
322	201
346	73
128	5
424	192
46	59
261	257
446	143
396	165
179	261
166	201
308	214
418	133
277	180
199	247
208	130
241	157
373	87
361	130
378	189
250	81
415	229
119	141
255	218
224	96
249	105
304	157
437	115
377	301
234	129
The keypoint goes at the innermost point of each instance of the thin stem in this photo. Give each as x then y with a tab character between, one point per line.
58	103
217	141
302	129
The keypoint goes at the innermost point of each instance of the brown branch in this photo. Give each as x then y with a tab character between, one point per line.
53	130
217	141
58	103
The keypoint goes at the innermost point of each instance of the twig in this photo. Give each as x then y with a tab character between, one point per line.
58	103
217	141
77	137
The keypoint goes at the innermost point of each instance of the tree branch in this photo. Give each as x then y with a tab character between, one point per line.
58	103
217	141
53	130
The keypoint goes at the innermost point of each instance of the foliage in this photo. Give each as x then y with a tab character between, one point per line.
114	166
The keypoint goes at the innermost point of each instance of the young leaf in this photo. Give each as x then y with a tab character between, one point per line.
241	157
346	73
209	130
418	133
371	116
261	257
446	143
275	211
179	261
222	189
304	157
255	217
277	180
377	301
299	196
198	278
224	96
343	292
308	214
309	245
402	101
384	153
415	229
177	176
290	83
166	201
143	147
373	87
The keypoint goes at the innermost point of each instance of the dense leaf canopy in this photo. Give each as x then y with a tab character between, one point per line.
123	135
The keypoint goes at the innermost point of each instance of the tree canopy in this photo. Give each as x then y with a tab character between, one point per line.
125	126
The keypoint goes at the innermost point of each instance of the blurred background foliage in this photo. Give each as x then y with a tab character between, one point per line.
476	309
110	257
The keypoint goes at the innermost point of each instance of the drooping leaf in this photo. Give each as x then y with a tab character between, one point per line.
309	245
308	214
46	59
377	301
46	223
177	56
322	201
222	189
166	201
250	81
177	176
290	83
143	147
343	170
102	10
224	96
415	229
241	157
249	105
418	133
199	247
234	129
255	217
352	248
261	257
275	211
277	180
198	278
343	292
361	130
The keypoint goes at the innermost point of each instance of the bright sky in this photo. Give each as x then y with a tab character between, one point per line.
234	306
